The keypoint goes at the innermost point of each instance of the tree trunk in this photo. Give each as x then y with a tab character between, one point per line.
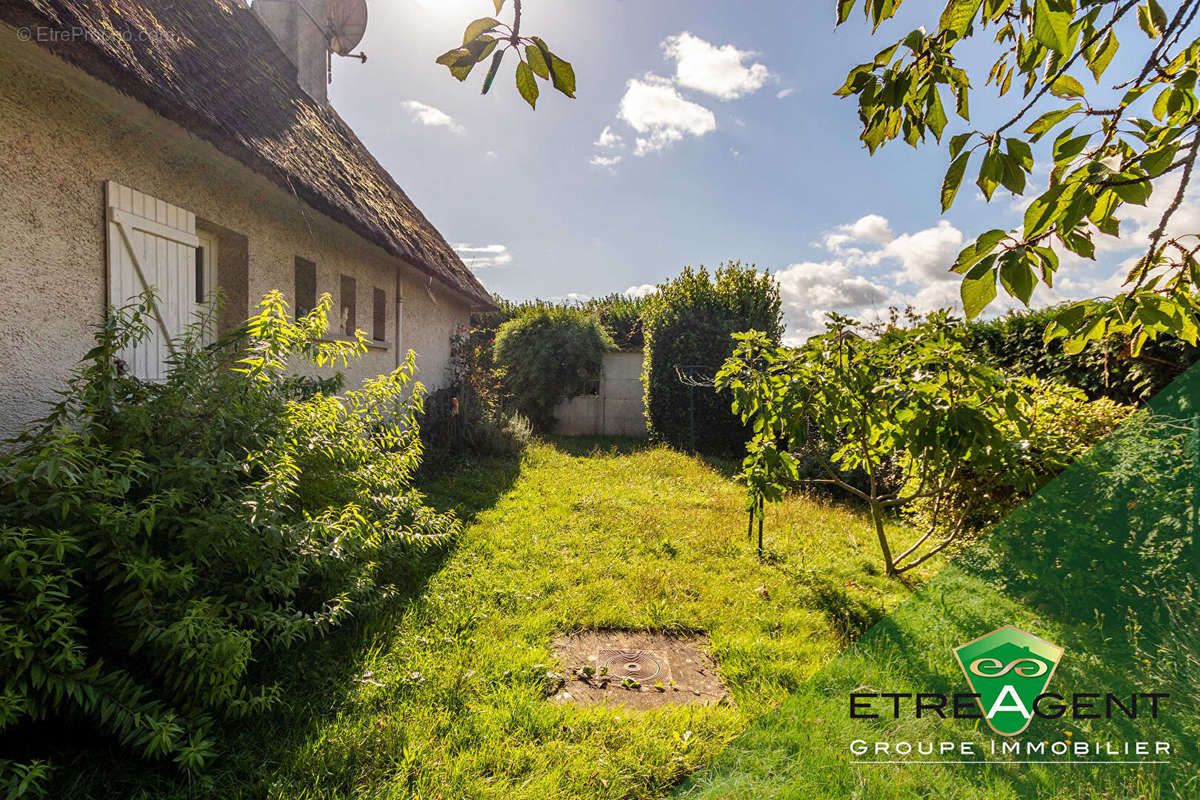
877	519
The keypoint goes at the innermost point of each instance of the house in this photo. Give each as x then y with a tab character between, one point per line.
189	145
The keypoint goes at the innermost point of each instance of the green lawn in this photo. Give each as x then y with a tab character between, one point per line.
447	699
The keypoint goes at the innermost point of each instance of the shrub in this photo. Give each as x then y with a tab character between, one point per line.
156	539
621	317
690	321
470	416
619	314
549	355
1015	344
1059	425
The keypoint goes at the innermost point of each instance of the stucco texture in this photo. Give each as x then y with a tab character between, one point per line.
62	136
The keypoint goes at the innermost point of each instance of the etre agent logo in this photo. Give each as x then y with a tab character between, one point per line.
1008	669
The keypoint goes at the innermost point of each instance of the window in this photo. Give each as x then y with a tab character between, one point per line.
379	315
206	266
306	286
349	304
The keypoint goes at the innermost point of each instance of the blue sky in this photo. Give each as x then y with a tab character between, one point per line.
724	141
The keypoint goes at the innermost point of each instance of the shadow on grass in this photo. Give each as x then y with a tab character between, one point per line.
598	446
316	679
1103	562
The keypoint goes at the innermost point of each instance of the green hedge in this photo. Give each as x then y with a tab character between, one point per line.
618	314
1104	369
549	355
690	321
158	539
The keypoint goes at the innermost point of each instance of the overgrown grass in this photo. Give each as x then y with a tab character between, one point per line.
801	751
448	699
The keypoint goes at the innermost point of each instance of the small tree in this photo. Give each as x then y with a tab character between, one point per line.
909	407
548	355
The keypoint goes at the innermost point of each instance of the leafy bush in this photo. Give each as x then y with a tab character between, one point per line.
619	314
156	539
1059	425
470	416
549	355
622	317
690	321
1015	344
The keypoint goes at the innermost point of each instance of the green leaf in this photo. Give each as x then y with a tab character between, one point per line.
935	115
1052	28
499	4
953	180
1160	105
527	84
1045	122
1067	147
844	7
978	250
1039	216
957	143
1145	20
562	75
1136	193
1017	276
1156	161
1066	86
451	57
1157	15
478	28
537	62
957	16
1102	56
1012	177
978	292
1019	150
491	75
486	50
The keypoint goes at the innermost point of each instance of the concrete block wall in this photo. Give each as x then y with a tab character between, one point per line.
616	410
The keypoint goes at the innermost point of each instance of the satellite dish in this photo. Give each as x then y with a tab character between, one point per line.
347	24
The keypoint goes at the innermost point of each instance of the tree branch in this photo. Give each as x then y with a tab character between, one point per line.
1120	12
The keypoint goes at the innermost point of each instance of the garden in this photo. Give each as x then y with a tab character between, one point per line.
245	583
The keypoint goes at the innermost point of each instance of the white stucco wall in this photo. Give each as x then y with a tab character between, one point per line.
62	135
617	410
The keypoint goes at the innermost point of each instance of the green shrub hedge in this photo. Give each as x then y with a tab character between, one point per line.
691	321
156	539
1104	369
1060	425
548	355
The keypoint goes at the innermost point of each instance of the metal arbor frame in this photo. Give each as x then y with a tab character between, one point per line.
695	376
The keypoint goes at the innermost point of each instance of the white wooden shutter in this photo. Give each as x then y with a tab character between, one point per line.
151	245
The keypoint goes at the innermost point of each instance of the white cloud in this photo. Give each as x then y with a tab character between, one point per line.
926	255
644	290
571	297
718	71
782	93
655	109
432	117
870	269
605	161
483	256
871	228
608	138
811	288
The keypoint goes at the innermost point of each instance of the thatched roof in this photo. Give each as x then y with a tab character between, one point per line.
210	66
